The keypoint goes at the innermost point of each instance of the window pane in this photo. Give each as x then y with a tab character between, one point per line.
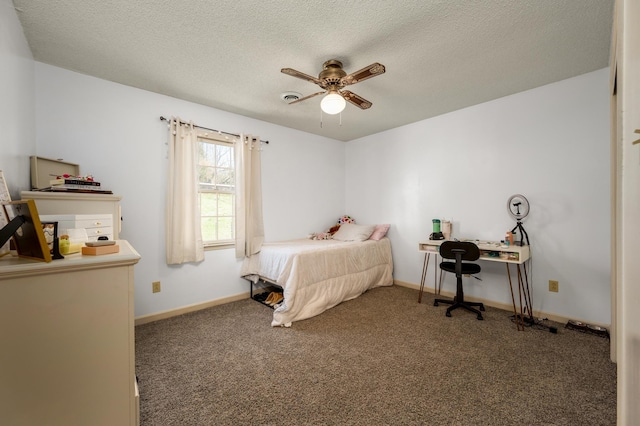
225	205
225	156
225	177
208	204
225	228
209	228
207	154
206	174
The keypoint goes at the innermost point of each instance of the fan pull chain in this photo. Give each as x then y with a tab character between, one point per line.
321	119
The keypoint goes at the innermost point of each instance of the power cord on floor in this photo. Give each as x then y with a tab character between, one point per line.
534	323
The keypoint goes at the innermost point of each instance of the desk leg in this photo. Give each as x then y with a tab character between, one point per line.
425	266
516	318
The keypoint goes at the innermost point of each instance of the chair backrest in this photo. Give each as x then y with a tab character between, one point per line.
471	251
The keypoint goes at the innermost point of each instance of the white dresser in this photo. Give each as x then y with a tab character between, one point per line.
90	206
67	354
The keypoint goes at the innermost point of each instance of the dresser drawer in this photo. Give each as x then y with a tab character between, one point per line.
94	222
96	225
94	233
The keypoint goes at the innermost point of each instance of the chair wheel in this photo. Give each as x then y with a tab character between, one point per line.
435	303
482	308
449	314
480	318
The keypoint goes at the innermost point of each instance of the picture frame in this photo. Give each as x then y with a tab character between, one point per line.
29	239
5	197
50	230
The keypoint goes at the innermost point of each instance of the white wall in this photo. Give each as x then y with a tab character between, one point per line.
114	132
17	101
550	144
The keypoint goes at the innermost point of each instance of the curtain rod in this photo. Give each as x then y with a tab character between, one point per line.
211	130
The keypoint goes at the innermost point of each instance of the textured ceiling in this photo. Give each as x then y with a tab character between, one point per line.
440	55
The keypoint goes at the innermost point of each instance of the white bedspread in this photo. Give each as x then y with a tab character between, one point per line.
316	275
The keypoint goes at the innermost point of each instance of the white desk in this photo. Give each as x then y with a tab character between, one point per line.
492	252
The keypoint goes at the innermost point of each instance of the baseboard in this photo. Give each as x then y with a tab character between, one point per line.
145	319
504	306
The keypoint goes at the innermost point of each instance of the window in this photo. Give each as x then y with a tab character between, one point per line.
216	177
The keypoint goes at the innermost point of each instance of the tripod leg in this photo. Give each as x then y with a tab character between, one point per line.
524	233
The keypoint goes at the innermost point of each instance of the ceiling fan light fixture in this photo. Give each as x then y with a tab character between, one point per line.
333	103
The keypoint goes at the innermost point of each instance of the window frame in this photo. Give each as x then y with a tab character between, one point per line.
214	139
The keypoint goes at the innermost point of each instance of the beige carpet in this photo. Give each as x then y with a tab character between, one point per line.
381	359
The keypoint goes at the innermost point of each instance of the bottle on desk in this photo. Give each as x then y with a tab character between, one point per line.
508	240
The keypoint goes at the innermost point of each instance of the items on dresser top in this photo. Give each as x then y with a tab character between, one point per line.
95	225
61	176
98	250
45	169
65	203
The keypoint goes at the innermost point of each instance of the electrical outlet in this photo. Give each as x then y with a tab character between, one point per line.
553	286
155	286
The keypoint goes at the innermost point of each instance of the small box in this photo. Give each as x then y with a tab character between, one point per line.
95	251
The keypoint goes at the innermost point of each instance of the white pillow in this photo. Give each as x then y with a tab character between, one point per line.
353	232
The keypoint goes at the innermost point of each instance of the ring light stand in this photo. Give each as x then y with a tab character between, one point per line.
518	208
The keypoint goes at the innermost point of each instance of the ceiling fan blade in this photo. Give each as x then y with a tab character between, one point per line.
363	74
358	101
306	97
298	74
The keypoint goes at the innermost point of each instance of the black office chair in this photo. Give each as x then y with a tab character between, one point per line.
460	250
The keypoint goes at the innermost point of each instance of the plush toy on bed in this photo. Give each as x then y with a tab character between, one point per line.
328	234
320	236
346	219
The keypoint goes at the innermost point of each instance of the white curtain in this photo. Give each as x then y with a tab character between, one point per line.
183	234
249	223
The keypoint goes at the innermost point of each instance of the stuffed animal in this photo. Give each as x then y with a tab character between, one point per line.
333	229
346	219
328	234
320	236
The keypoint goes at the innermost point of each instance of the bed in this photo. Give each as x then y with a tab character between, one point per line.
316	275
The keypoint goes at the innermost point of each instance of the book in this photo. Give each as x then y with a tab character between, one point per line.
74	186
73	181
85	189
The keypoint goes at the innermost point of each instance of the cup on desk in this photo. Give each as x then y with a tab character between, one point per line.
446	229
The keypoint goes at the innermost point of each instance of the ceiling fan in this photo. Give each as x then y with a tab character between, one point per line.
333	79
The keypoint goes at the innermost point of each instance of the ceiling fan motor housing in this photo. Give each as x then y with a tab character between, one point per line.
332	73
